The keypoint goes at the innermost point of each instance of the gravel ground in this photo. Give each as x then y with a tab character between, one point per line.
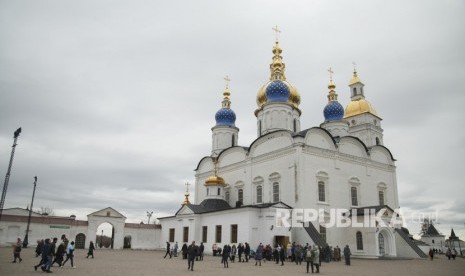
129	262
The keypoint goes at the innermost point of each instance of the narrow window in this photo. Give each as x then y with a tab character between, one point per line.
226	196
185	234
354	92
218	234
353	193
275	192
204	233
171	238
233	233
381	197
259	193
219	191
323	232
359	240
233	140
377	140
295	125
240	196
321	191
260	128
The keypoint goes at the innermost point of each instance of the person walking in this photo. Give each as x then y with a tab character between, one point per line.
40	244
347	254
201	249
43	259
454	254
240	251
17	251
308	257
259	254
233	253
282	254
247	252
316	258
175	249
59	254
192	251
184	251
168	250
69	254
50	254
91	250
225	257
431	254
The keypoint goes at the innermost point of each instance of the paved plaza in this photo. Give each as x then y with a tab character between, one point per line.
141	263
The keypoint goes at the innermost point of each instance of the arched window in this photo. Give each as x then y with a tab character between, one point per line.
354	92
259	194
232	140
226	196
381	197
321	191
219	191
359	240
240	195
295	125
377	140
275	192
353	195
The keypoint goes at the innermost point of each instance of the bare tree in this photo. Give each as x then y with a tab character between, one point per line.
45	211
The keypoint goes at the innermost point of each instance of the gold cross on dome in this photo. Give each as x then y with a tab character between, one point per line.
331	72
277	31
227	79
355	69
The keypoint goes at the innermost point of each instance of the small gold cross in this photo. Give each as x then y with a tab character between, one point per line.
277	31
227	79
330	73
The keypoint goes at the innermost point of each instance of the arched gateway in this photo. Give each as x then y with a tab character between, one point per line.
110	215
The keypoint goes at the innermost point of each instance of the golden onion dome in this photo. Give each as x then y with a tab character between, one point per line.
214	180
357	107
294	96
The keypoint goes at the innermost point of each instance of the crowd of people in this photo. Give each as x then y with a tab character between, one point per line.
313	256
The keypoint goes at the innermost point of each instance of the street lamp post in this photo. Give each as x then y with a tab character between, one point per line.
149	215
26	237
7	177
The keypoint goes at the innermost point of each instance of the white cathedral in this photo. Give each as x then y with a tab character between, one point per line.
343	163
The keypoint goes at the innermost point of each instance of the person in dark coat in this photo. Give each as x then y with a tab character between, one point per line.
240	251
59	254
347	254
40	244
192	251
247	252
184	251
201	249
168	250
225	255
50	254
282	254
44	254
91	250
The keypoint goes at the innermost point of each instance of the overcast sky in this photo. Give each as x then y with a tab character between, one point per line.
116	98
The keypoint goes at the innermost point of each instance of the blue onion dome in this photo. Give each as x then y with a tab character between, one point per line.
277	91
333	111
225	117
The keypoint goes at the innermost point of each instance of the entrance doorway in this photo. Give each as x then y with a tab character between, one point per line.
80	241
281	240
105	235
382	248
